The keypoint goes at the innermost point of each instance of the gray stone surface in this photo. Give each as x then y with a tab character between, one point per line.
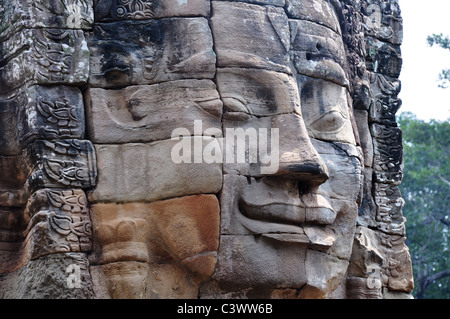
146	113
201	149
145	172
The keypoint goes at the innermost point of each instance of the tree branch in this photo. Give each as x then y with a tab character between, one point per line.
439	275
444	221
425	282
444	180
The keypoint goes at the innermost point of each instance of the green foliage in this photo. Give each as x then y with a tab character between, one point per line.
426	190
439	39
443	42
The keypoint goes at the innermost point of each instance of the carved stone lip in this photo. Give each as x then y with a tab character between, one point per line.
310	233
312	209
274	212
315	237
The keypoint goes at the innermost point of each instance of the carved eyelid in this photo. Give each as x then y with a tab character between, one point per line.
327	116
235	103
331	110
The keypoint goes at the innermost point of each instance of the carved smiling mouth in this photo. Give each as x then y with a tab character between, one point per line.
303	224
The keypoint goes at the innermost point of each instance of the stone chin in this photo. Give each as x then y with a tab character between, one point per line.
258	264
279	256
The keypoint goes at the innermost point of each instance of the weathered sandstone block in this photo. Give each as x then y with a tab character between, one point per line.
66	213
64	163
383	21
147	113
383	58
150	51
315	11
382	259
344	165
49	277
362	122
112	10
147	172
54	221
256	92
177	236
262	42
325	110
318	51
64	14
388	153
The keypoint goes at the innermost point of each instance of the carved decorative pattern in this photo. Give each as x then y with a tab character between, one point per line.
53	58
63	163
74	223
66	214
134	9
62	115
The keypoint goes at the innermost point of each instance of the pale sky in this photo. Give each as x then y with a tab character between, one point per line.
422	64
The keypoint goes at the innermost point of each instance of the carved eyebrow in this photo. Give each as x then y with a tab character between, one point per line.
324	69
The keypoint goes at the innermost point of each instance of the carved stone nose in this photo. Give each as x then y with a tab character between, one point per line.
298	159
312	173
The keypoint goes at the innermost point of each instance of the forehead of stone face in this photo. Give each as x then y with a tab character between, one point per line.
318	11
251	36
318	51
317	45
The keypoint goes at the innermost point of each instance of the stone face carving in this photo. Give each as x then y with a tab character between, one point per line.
201	149
175	241
151	51
146	113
